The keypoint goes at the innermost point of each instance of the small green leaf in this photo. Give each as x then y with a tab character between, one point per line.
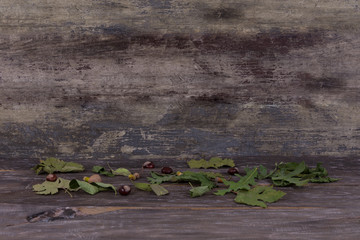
101	170
258	196
104	186
85	186
199	191
158	190
214	162
221	192
121	172
143	186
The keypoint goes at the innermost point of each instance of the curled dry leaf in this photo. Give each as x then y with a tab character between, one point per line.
94	178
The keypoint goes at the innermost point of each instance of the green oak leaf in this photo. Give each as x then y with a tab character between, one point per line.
214	162
287	175
243	184
51	165
199	191
317	175
48	187
258	196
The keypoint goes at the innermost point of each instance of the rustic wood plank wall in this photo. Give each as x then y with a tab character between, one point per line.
163	78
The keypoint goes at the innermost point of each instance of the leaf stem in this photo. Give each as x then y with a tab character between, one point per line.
67	191
109	166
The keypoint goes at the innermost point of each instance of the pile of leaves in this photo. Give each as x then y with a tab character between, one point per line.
48	187
246	188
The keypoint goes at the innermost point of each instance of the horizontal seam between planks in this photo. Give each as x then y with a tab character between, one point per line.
98	210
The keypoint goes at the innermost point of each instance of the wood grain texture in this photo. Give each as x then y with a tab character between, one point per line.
121	81
316	211
151	79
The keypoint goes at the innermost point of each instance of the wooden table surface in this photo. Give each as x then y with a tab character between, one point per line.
121	81
316	211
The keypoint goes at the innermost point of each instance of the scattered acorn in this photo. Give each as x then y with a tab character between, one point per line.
218	180
233	170
136	175
124	190
148	164
51	177
166	170
93	178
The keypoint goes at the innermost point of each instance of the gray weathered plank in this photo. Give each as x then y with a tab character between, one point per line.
179	78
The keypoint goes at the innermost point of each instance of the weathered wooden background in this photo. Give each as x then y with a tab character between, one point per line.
163	78
120	81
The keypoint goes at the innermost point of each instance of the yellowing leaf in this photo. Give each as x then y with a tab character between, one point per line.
159	190
48	187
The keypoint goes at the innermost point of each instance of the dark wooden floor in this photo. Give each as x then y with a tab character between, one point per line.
316	211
